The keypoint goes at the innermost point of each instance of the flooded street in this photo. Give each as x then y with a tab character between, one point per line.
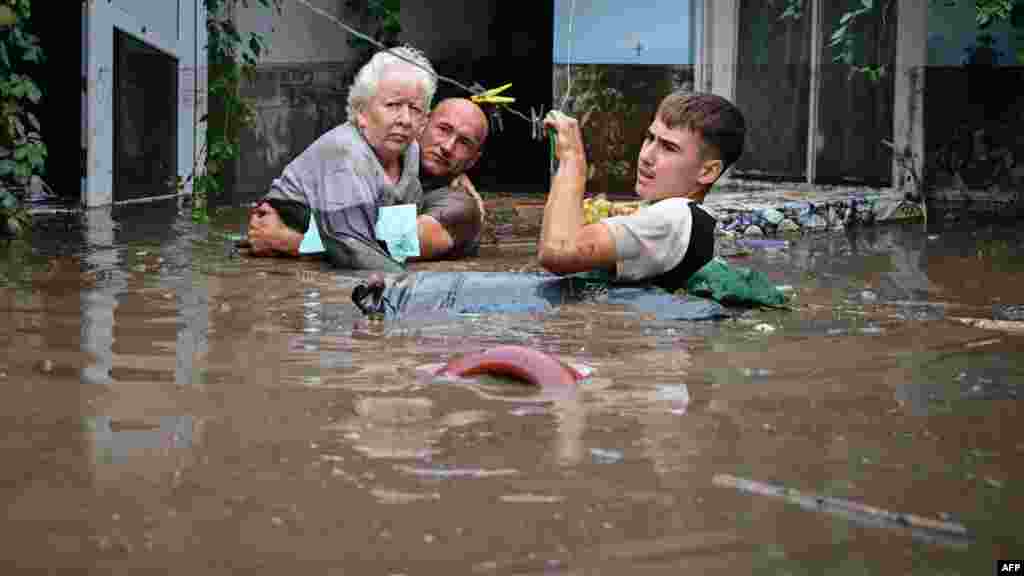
170	405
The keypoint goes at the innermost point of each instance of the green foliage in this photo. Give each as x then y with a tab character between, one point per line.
22	151
990	11
845	38
232	57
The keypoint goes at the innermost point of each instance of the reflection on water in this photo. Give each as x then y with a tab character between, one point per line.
167	402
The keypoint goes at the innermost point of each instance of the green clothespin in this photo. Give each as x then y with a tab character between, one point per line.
552	136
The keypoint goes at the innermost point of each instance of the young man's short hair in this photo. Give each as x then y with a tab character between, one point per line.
717	121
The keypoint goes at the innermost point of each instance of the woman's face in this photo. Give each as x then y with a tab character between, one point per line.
395	115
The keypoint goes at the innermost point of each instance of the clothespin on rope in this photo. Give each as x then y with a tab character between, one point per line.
538	133
493	97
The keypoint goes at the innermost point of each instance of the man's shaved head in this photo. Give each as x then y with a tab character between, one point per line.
468	108
454	138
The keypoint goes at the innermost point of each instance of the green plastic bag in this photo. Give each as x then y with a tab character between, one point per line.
734	286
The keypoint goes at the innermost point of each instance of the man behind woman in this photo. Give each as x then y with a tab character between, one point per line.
371	157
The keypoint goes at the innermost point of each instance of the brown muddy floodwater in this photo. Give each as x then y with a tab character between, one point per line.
170	406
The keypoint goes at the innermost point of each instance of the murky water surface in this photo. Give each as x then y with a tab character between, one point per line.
168	404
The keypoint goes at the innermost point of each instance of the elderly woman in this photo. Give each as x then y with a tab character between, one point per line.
346	175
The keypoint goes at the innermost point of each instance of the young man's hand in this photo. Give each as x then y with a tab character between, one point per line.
568	139
567	244
268	235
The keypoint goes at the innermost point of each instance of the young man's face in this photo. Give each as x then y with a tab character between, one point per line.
452	140
671	165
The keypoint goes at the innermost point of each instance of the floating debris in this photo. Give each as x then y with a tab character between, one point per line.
930	529
986	324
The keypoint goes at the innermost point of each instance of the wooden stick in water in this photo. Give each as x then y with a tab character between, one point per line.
827	503
986	324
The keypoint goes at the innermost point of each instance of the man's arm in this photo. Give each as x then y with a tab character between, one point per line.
450	217
567	244
268	234
435	241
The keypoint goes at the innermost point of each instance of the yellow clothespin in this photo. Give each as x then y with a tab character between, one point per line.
491	96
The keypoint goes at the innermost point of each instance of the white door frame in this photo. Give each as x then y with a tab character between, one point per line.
187	45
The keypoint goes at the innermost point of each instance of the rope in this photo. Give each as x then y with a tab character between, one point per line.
568	58
380	45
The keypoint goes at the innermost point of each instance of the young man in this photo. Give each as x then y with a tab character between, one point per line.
693	139
450	211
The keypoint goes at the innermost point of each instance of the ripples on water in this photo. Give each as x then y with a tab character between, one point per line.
168	402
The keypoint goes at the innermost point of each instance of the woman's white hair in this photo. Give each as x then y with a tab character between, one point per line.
364	87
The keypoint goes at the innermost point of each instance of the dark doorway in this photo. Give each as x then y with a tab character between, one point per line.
772	90
145	120
520	46
60	77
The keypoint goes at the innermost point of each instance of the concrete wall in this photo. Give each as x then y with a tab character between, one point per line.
299	88
299	35
176	29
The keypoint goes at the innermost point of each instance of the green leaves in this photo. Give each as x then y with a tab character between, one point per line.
847	35
990	11
232	57
793	9
22	151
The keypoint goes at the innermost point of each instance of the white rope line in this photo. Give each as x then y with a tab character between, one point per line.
373	41
568	58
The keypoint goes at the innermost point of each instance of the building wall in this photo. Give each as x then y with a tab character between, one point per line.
299	88
172	28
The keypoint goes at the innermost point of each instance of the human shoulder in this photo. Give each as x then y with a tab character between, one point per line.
664	214
671	207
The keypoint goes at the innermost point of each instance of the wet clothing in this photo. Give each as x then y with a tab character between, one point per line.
341	179
458	212
663	243
425	295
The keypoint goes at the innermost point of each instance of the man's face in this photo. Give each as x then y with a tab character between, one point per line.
451	142
671	164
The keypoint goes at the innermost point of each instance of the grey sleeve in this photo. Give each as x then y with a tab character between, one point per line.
348	206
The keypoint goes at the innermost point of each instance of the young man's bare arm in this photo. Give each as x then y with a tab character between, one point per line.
567	244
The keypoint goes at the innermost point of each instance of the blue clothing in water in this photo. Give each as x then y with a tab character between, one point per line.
512	292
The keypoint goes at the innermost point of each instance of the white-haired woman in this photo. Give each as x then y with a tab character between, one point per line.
346	175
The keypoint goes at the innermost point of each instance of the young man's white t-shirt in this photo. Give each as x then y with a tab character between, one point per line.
652	240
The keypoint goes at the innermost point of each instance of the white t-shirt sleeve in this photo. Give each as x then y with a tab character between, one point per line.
653	240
